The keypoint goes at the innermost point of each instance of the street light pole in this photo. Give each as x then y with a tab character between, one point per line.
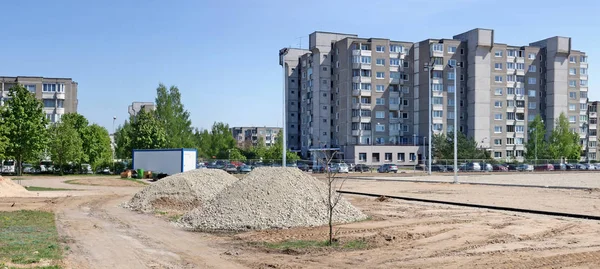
455	129
284	133
429	68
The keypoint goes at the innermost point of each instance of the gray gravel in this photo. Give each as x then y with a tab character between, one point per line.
182	192
270	197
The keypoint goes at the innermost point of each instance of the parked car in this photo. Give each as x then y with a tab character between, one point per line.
386	168
303	167
450	168
592	166
500	168
473	167
201	166
512	167
339	168
569	166
544	167
525	168
488	167
560	166
230	168
86	169
439	168
581	166
361	168
8	167
243	169
318	168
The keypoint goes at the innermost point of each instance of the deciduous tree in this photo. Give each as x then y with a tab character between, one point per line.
25	123
172	115
563	142
65	144
537	146
147	132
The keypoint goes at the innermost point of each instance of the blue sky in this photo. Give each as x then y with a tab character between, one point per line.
223	55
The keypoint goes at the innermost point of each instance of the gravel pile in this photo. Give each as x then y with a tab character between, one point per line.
181	192
267	198
8	188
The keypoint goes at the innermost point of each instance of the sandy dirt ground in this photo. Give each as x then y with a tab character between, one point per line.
399	234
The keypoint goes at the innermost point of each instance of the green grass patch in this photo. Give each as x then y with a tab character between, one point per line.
34	188
26	237
315	244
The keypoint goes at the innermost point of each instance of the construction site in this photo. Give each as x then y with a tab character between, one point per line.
278	218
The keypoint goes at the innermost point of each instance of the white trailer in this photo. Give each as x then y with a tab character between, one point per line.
167	161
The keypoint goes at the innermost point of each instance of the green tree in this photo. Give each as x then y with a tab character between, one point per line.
536	146
275	152
173	117
202	140
123	137
25	123
220	141
467	148
3	137
236	155
146	132
97	146
564	143
65	144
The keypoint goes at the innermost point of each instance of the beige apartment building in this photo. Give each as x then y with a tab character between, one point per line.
59	95
364	94
592	139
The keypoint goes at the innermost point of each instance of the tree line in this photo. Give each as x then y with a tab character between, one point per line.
562	143
169	126
26	135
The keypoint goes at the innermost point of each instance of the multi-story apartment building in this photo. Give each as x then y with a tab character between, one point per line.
592	139
59	95
136	107
248	136
370	96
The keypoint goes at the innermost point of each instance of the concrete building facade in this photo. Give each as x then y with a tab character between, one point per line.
136	107
373	91
248	136
592	139
59	95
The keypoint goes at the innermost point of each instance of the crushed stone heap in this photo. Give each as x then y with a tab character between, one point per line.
270	197
8	188
181	192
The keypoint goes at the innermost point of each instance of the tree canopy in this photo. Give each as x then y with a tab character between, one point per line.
147	132
172	115
25	126
443	147
65	144
563	142
537	146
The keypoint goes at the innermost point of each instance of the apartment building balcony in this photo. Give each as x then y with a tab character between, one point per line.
592	138
365	106
437	93
511	109
365	93
355	119
359	79
361	66
582	64
361	53
361	132
60	110
583	135
395	120
593	126
436	53
438	107
520	110
438	67
584	77
519	97
356	106
396	81
520	147
582	112
394	107
593	115
394	132
48	95
437	121
396	55
60	95
510	122
394	94
355	132
365	119
356	92
519	135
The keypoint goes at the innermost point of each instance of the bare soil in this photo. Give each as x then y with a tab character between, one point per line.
103	181
398	234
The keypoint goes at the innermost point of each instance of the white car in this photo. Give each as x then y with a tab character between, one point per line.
8	167
339	168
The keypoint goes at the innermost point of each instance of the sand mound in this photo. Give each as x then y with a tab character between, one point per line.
181	192
8	188
270	198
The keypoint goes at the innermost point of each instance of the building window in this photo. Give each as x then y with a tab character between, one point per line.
531	93
572	83
380	88
520	91
582	94
394	62
498	79
452	62
519	128
510	115
462	51
380	48
511	53
498	104
531	56
497	129
365	59
572	119
531	81
30	88
405	64
510	103
438	127
573	95
61	103
510	153
380	114
380	75
510	65
396	48
572	107
437	100
520	66
436	87
498	53
497	154
532	105
511	78
438	47
451	49
405	115
530	117
583	59
519	141
388	156
451	75
582	71
451	89
572	71
380	62
379	128
450	102
401	157
510	91
49	103
583	118
498	142
438	114
583	107
572	59
49	88
510	141
450	115
583	83
375	157
362	156
365	86
510	128
380	101
498	66
532	68
498	116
